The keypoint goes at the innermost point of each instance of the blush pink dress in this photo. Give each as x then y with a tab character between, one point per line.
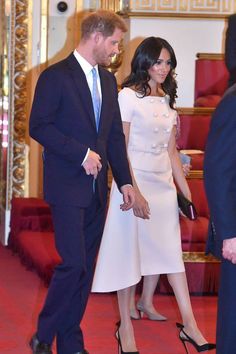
132	247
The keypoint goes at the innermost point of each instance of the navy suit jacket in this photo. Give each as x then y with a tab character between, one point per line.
62	120
220	173
230	49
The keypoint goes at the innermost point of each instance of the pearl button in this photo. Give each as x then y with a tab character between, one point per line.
154	146
156	130
155	114
151	100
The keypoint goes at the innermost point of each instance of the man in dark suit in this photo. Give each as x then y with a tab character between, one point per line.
76	117
230	49
220	183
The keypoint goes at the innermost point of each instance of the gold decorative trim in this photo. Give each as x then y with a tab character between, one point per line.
195	174
176	14
199	257
210	56
18	99
114	5
196	110
209	9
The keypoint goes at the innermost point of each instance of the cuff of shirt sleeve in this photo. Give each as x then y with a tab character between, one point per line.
85	158
128	185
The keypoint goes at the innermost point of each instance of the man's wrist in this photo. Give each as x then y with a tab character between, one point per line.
127	185
85	158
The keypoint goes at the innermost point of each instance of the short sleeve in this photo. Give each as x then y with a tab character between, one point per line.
125	103
175	118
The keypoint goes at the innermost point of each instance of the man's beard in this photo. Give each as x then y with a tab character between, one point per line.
101	59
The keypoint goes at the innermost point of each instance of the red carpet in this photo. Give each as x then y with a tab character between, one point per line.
22	294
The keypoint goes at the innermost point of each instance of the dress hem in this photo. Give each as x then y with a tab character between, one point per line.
123	287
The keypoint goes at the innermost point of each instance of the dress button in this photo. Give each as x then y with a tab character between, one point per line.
156	130
155	114
154	146
167	130
151	100
162	100
166	115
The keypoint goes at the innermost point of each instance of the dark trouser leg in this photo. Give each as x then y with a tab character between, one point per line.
64	293
226	319
70	332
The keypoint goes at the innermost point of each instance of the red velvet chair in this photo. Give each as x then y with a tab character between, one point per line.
194	128
194	233
211	79
31	236
28	213
202	271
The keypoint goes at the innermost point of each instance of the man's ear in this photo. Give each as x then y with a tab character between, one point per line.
97	36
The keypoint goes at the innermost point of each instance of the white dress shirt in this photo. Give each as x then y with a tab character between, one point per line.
87	69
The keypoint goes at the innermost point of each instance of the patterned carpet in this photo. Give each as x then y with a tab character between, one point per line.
22	294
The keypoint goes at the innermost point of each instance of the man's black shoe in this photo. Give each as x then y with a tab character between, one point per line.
39	347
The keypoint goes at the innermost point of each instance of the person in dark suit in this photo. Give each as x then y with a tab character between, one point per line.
220	184
230	49
76	118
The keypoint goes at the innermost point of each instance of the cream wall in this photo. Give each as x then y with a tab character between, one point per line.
187	36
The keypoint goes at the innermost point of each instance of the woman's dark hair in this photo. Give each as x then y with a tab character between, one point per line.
145	56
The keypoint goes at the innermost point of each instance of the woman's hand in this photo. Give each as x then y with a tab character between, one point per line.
141	208
188	195
186	169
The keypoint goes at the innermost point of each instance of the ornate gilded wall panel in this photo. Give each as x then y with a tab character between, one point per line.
17	99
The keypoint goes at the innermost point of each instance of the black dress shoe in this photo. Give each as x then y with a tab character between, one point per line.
39	347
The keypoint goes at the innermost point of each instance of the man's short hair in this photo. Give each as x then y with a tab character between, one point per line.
103	21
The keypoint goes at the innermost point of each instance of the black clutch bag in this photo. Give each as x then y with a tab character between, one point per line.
186	207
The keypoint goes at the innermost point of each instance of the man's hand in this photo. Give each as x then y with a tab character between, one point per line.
128	197
92	164
229	249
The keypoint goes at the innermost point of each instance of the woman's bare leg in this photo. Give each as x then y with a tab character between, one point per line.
146	300
126	331
149	287
179	285
134	313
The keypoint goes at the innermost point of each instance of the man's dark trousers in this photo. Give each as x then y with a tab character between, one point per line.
77	234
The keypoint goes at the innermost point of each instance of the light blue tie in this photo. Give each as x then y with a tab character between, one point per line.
96	98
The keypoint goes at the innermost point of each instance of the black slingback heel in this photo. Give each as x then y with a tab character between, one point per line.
185	338
117	335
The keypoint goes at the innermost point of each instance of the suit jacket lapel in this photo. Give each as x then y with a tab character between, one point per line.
80	80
